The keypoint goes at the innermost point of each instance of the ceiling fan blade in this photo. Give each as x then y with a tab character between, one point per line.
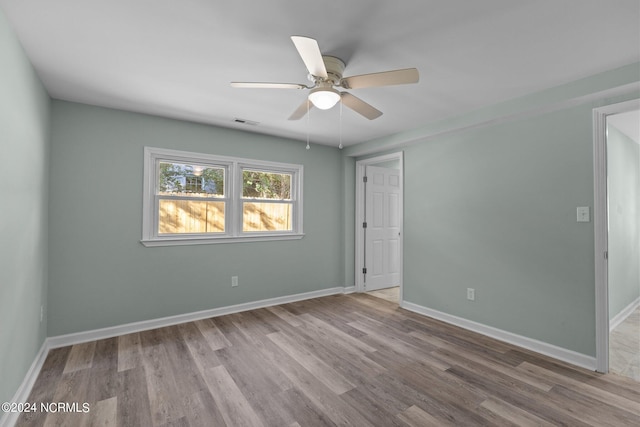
301	110
386	78
257	85
359	106
311	55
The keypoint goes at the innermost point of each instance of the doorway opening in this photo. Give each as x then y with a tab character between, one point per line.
379	222
617	237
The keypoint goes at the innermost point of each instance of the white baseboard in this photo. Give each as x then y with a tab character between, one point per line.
547	349
9	419
22	394
622	316
145	325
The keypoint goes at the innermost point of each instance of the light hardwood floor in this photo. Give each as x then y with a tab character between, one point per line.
624	347
352	360
390	294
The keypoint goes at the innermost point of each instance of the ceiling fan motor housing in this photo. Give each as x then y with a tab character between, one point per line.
335	68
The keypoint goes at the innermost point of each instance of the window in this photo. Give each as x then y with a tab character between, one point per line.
266	201
192	198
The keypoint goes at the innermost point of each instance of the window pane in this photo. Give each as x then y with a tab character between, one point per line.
191	179
190	216
266	216
266	185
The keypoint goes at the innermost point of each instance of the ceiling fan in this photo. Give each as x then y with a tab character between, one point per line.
325	72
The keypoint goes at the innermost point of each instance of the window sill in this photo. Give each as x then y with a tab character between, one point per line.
186	241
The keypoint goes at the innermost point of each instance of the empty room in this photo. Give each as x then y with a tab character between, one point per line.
292	213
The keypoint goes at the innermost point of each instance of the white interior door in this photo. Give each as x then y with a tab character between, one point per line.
382	233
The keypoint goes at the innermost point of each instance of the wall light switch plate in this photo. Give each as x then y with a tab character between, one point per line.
471	294
583	214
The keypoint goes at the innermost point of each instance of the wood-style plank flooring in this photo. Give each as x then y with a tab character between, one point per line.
390	294
624	347
350	360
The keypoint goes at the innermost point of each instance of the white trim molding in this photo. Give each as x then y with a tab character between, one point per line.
624	313
569	356
22	394
600	224
145	325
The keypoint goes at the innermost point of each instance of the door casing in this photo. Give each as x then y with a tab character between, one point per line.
600	224
360	209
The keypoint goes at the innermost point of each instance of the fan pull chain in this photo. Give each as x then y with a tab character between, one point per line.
340	126
308	123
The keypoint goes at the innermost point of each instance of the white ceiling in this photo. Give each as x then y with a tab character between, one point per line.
176	58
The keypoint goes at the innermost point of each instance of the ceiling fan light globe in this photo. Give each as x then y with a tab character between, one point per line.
324	98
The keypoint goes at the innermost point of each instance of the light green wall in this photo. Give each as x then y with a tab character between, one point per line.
490	203
24	144
100	274
491	208
623	176
495	210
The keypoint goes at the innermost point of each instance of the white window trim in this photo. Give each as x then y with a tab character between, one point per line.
233	213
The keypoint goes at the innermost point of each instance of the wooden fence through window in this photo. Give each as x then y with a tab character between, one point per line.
207	216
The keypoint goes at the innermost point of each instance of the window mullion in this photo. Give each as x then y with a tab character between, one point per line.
235	217
264	217
246	199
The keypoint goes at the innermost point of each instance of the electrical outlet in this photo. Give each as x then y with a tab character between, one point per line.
471	294
234	281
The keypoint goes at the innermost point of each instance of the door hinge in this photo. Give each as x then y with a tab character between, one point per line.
606	254
364	270
364	179
364	224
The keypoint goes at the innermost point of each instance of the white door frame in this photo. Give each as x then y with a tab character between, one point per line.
360	208
601	226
